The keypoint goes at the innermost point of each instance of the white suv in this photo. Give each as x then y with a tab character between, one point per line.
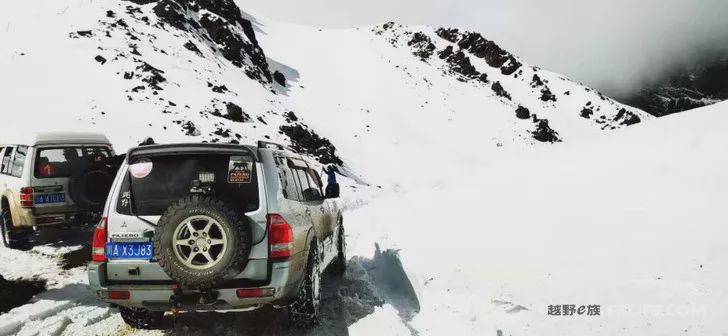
45	182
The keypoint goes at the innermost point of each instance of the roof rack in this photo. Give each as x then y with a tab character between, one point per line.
268	144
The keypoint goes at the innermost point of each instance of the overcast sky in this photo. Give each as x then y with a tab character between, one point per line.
612	45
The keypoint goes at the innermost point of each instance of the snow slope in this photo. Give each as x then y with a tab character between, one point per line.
633	221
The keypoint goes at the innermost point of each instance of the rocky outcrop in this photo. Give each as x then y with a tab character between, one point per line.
222	22
480	47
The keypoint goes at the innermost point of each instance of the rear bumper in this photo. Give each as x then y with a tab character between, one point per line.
31	218
161	297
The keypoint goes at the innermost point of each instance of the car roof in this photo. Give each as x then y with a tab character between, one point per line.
60	138
192	148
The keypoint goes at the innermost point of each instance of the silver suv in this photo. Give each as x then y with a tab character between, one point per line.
45	182
195	227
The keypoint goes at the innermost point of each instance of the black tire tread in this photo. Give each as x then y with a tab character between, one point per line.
242	251
302	312
141	318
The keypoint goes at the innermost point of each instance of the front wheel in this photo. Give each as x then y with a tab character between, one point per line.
304	311
140	318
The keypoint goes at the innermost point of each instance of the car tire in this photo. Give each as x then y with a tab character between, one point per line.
201	259
90	187
303	312
338	266
140	318
9	237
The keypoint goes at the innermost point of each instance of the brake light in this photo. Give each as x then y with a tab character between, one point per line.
255	292
26	197
280	237
99	243
119	295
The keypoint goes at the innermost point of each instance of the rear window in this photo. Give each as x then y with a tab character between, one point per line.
62	161
152	184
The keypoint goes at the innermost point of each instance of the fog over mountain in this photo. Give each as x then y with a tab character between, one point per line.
616	46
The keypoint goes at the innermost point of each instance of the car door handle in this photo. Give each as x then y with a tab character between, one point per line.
308	212
322	209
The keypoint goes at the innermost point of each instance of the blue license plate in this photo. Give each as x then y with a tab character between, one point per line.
144	251
49	198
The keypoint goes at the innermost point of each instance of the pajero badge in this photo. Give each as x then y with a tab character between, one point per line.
239	169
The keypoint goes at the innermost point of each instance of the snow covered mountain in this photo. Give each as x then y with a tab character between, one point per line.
695	85
455	130
205	71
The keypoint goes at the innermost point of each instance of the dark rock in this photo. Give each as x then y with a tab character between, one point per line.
290	117
460	63
192	47
482	48
223	133
234	113
587	112
536	81
445	53
85	33
153	77
546	94
309	142
100	59
626	118
483	78
522	113
110	14
544	132
128	75
279	78
262	120
500	91
449	34
220	89
190	129
424	48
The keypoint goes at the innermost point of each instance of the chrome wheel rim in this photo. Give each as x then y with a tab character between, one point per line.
200	242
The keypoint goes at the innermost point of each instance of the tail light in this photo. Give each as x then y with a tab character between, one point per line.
119	295
26	197
280	237
99	244
255	292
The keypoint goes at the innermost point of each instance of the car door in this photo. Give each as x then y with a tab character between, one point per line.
292	207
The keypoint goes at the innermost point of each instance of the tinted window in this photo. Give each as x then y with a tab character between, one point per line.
61	161
5	167
171	178
19	161
288	180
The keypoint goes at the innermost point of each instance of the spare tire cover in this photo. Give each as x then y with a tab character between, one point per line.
200	242
90	187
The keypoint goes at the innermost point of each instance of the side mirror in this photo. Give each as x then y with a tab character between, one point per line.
332	190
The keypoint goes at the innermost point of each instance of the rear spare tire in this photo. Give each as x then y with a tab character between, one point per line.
201	242
89	187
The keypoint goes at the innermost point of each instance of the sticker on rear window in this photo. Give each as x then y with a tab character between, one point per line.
239	170
141	169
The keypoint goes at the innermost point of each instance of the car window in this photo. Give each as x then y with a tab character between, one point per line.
19	161
60	161
314	192
289	186
6	163
158	181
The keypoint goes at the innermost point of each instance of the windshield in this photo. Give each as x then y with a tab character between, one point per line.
152	184
55	162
